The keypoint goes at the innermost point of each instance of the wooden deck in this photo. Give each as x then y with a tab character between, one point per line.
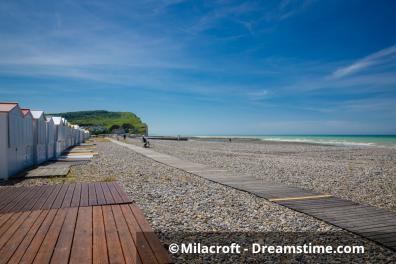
60	167
16	199
75	223
373	223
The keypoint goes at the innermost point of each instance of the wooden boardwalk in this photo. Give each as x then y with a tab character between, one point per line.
61	166
75	223
80	152
373	223
15	199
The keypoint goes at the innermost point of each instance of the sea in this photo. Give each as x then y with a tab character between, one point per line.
352	140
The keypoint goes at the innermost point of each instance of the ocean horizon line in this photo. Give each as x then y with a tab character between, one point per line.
333	139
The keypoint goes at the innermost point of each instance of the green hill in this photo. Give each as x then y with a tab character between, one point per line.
101	121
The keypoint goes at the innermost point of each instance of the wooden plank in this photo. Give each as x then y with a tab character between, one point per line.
14	217
300	198
26	201
4	218
60	197
84	200
48	203
375	235
357	209
92	200
128	245
63	246
159	251
319	205
357	217
367	219
122	193
4	193
14	203
143	246
12	227
35	244
315	201
99	247
391	228
114	193
40	193
8	194
99	193
81	251
42	200
365	223
22	247
387	239
8	250
107	194
76	196
328	209
113	241
335	210
68	196
44	254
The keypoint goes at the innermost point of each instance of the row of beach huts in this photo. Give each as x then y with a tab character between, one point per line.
29	138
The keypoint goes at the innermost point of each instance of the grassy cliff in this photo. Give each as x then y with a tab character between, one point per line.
106	119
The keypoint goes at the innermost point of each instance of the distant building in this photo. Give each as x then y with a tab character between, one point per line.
118	131
95	129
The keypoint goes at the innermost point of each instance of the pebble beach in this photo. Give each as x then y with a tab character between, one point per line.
175	201
363	174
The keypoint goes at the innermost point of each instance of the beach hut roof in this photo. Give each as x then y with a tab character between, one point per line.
37	114
57	120
26	111
49	120
7	107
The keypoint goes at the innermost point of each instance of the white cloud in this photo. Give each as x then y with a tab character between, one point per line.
380	57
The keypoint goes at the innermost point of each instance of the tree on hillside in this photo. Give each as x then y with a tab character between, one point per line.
114	127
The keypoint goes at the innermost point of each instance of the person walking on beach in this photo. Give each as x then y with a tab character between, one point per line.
124	137
146	142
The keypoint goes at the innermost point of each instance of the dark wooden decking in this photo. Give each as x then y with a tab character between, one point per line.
75	223
15	199
376	224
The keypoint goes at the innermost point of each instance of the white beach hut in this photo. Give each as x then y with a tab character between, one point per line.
39	137
76	134
81	136
27	139
59	135
86	135
11	133
50	138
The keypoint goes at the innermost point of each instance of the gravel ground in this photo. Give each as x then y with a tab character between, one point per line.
179	205
366	175
175	201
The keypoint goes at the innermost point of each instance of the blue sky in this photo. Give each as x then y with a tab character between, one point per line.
207	67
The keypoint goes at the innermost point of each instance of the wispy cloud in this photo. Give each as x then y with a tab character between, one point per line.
253	16
289	8
258	95
378	58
